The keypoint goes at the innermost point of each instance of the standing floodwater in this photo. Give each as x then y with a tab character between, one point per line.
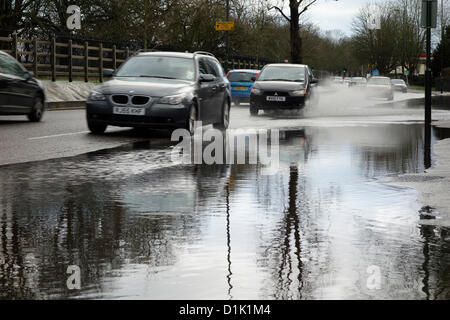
141	227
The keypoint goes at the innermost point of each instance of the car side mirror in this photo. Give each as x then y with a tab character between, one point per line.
314	81
29	75
109	73
253	79
207	78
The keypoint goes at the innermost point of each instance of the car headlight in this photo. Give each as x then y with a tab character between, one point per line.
172	100
298	93
256	91
96	96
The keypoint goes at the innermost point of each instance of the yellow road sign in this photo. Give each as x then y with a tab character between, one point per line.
224	26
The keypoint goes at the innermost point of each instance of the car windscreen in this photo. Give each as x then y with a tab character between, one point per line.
398	82
384	81
241	76
9	66
158	67
294	74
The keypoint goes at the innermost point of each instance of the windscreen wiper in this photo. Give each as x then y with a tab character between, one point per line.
286	80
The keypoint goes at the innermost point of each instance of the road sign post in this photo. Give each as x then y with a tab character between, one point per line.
224	25
429	21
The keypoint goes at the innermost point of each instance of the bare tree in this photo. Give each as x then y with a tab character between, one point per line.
410	35
296	8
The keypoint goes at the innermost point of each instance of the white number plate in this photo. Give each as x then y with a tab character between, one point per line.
279	99
129	111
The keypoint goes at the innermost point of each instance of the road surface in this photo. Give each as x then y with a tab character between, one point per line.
65	134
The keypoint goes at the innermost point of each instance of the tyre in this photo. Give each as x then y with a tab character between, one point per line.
225	121
38	111
191	123
253	111
96	128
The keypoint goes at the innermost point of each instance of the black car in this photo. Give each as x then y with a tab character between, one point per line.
20	92
282	86
166	90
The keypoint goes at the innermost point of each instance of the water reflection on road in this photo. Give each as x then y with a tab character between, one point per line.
141	227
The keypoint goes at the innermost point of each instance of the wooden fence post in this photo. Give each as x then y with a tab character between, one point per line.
114	53
35	58
70	60
86	62
15	46
100	61
53	63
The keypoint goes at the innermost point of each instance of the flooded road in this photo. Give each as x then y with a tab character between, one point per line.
142	227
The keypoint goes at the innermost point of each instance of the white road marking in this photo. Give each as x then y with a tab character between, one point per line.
58	135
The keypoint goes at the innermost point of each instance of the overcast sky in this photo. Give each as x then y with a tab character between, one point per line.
336	15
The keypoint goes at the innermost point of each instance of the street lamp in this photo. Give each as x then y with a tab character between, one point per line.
227	38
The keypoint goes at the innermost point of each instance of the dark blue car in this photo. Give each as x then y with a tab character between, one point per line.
241	84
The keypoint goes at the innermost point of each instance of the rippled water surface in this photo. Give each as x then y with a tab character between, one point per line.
140	226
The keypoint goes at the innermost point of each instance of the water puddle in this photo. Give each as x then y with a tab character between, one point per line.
139	226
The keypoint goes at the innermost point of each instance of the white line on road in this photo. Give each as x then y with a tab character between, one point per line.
58	135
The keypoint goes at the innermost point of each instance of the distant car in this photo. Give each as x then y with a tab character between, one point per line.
281	87
380	87
400	85
20	92
347	82
241	84
167	90
338	80
358	82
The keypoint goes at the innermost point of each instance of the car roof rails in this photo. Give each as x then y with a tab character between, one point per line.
204	53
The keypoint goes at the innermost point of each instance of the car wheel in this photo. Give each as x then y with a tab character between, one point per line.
96	128
38	111
191	124
225	122
253	111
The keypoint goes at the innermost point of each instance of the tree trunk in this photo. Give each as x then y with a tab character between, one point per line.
296	40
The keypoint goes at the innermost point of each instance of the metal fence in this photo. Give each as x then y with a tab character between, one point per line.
83	59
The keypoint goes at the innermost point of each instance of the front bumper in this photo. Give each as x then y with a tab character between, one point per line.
377	93
292	102
401	88
156	116
241	99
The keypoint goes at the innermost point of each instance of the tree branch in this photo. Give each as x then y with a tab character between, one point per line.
281	11
306	8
